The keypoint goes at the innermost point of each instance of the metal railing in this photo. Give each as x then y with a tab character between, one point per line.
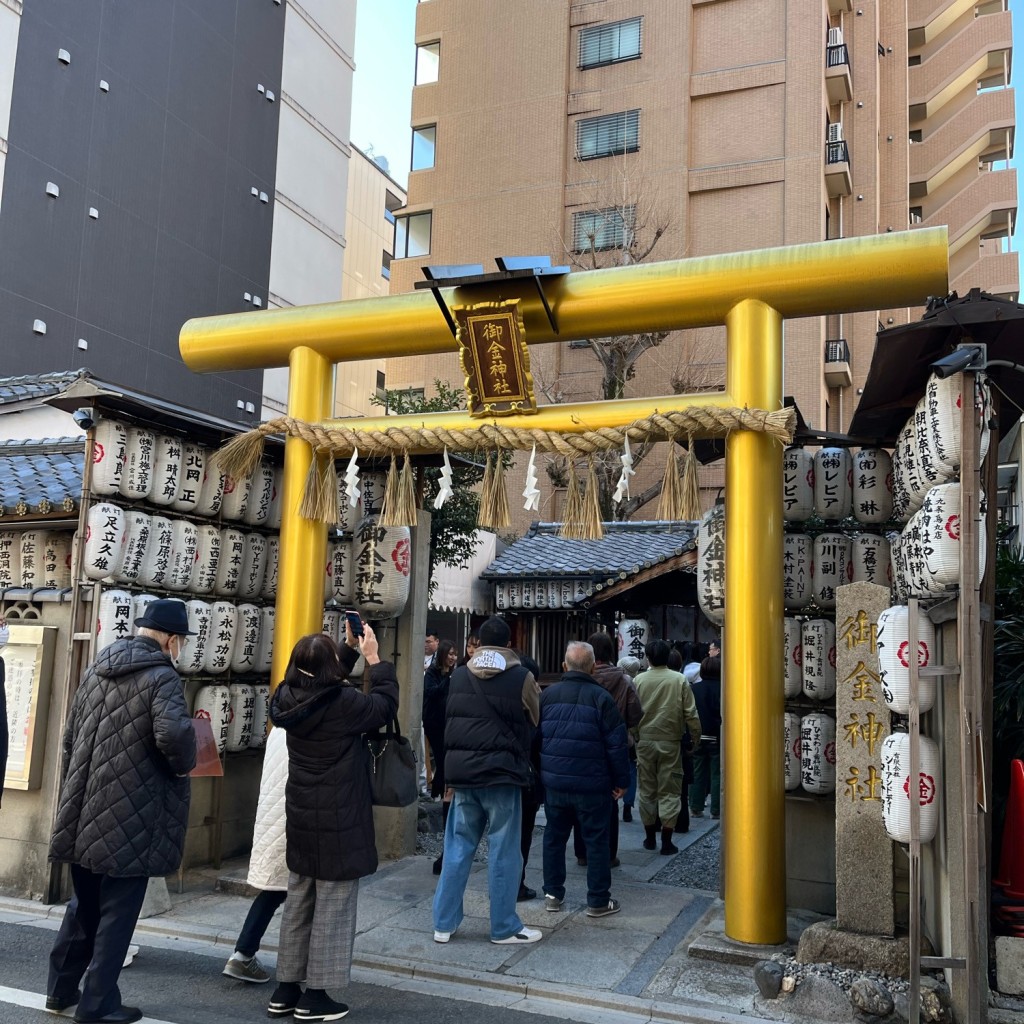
836	56
836	152
837	351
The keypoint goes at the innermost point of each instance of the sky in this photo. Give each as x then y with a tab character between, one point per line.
382	86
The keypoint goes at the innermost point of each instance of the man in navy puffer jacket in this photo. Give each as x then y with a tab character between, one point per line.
584	760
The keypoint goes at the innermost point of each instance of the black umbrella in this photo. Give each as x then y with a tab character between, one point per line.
903	356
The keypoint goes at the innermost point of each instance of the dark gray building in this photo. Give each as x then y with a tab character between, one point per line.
138	185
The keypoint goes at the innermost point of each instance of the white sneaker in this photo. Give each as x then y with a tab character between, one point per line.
520	938
443	936
133	952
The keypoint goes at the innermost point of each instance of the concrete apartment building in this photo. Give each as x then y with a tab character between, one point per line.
543	128
164	159
373	196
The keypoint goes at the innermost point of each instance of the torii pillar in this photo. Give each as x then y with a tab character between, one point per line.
751	293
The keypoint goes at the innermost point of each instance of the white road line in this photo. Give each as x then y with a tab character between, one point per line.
35	1001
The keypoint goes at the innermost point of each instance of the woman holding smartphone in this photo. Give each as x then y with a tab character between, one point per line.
329	814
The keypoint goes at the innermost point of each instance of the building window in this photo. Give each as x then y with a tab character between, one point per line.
428	62
603	229
423	147
610	44
385	265
608	135
412	235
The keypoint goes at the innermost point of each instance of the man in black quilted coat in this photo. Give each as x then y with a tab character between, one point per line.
123	809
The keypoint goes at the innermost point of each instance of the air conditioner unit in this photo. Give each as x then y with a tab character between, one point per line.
835	132
835	37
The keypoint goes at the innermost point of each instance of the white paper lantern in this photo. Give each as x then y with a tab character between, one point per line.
204	574
211	494
797	485
792	649
568	594
382	557
193	650
261	712
10	559
229	565
104	541
341	571
347	515
254	565
328	576
57	559
928	472
818	753
32	551
903	452
581	591
869	559
156	564
833	479
792	750
276	511
269	589
261	493
514	593
372	485
137	475
109	454
540	595
797	561
830	568
894	656
242	699
333	624
167	461
221	642
184	544
236	496
897	789
213	703
247	639
818	643
912	560
140	602
554	595
190	479
872	486
711	564
900	590
940	538
113	617
943	401
528	594
632	635
138	530
265	651
501	597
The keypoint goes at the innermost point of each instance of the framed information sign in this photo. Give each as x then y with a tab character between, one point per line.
28	662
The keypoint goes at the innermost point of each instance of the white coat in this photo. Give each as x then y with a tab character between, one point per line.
267	866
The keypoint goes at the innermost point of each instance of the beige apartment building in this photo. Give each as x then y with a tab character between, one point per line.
579	129
370	204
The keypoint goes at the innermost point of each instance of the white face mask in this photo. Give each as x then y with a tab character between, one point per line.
174	646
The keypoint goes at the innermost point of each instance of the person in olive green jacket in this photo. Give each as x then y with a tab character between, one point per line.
669	711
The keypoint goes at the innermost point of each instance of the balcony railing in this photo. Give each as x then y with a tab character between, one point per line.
837	153
837	364
835	56
837	351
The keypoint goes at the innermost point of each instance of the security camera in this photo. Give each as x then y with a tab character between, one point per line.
85	418
963	357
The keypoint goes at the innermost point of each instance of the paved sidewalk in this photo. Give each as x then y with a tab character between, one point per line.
631	966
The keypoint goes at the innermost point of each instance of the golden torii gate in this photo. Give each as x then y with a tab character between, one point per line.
751	293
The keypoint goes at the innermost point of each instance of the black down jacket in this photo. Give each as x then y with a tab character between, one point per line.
123	806
328	810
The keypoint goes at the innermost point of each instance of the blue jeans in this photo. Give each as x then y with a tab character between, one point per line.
500	809
562	810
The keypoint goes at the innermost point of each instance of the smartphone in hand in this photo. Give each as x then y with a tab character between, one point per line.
355	623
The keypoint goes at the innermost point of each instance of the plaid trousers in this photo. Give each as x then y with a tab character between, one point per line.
317	932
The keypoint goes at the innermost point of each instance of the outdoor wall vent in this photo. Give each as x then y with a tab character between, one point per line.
104	85
39	326
83	344
254	191
94	213
260	87
270	95
247	296
257	301
52	189
249	407
63	56
264	198
239	404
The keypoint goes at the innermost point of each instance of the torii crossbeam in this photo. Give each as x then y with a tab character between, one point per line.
750	293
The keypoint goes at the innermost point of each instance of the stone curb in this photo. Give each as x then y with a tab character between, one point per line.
555	996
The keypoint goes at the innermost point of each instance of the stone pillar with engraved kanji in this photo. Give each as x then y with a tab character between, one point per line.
864	853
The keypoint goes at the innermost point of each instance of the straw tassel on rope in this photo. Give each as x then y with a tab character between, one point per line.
483	510
590	512
573	512
320	495
670	507
691	483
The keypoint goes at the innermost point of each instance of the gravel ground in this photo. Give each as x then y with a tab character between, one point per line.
841	976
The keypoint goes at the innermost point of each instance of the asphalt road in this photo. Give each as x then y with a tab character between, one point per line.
179	987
